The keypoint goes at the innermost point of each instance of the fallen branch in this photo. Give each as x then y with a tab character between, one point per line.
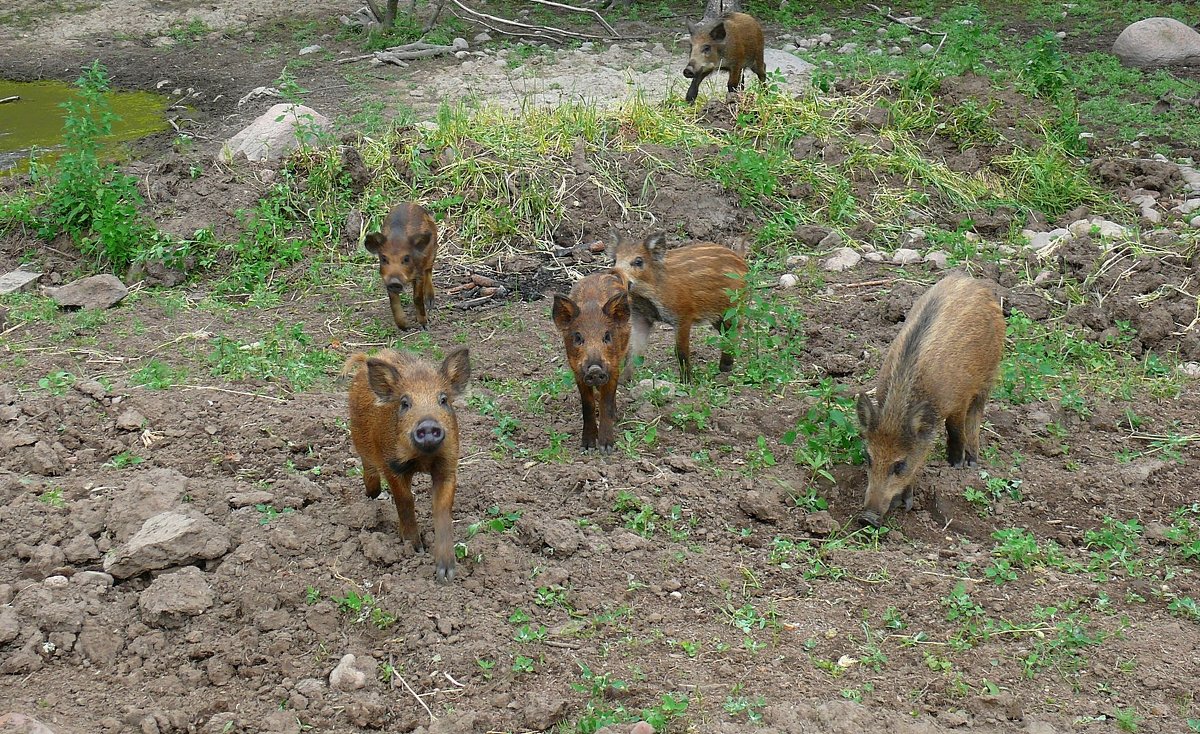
13	98
599	17
539	29
887	14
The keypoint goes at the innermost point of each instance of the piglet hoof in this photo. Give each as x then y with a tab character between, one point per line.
418	545
605	449
869	519
445	572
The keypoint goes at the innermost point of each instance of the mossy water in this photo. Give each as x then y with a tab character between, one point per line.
35	119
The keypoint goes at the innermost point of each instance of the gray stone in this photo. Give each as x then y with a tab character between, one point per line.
98	579
1190	369
10	625
173	597
100	644
1195	222
82	548
906	256
764	505
310	49
249	499
10	440
273	134
166	540
482	38
1041	240
926	48
786	63
847	48
787	280
1158	42
936	260
1187	207
16	723
831	240
353	672
17	280
811	234
44	460
45	560
146	495
92	293
841	259
130	420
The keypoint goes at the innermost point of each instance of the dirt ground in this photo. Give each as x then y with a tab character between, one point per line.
669	567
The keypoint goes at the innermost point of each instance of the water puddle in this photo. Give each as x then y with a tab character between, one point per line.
35	120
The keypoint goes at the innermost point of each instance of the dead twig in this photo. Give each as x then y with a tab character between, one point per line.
16	97
537	29
421	701
234	392
599	18
887	14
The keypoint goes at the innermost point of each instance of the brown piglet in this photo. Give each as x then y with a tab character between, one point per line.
940	367
401	422
733	42
406	248
594	323
680	286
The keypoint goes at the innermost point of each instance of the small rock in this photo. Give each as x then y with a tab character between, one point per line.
1195	222
895	50
352	672
831	240
913	238
542	712
937	260
484	38
1110	229
764	505
310	50
1187	207
627	541
10	625
131	420
45	460
843	258
460	44
797	261
926	48
819	523
1190	369
811	234
682	464
165	540
21	724
787	280
91	293
249	499
17	280
848	48
173	597
906	256
874	257
82	548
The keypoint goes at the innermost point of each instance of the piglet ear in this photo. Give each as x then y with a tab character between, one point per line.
691	27
617	307
868	414
922	422
420	241
656	243
384	379
456	368
614	241
718	32
374	242
564	311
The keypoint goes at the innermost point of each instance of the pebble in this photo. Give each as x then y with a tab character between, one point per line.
906	256
310	49
787	280
926	48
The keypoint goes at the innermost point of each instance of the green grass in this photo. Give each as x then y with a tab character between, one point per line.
285	353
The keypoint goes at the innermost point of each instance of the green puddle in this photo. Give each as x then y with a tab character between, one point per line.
36	120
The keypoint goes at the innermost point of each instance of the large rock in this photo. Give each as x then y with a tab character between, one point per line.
786	63
93	292
146	495
1158	42
173	597
841	259
274	134
17	723
166	540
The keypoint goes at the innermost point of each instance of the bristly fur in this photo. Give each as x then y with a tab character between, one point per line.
899	378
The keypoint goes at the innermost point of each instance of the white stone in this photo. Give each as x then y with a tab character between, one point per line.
274	134
841	259
1191	369
848	48
1158	42
347	676
937	260
1187	207
787	280
926	48
482	38
906	256
310	49
1080	227
1110	229
17	280
874	257
1195	222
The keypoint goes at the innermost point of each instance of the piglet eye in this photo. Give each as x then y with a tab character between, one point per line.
578	339
899	467
608	337
405	403
707	49
407	259
443	400
638	262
